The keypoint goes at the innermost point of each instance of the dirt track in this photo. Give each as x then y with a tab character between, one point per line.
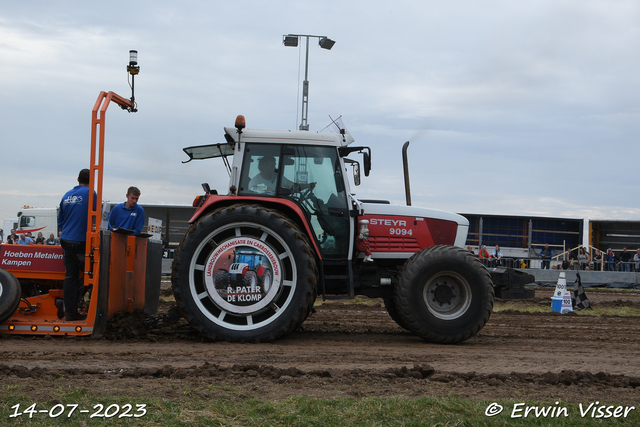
351	350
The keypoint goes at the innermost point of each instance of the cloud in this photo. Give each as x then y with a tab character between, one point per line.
510	107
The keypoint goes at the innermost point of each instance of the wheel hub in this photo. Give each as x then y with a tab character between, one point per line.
443	294
447	295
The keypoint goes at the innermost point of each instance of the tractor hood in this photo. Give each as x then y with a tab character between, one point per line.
396	216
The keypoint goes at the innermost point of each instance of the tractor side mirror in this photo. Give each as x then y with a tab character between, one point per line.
356	173
367	163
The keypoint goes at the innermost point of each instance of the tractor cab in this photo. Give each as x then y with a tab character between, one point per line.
303	167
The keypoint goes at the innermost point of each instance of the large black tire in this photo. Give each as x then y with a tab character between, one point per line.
10	293
390	305
286	304
444	294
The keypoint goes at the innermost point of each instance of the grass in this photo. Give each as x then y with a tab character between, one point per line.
296	411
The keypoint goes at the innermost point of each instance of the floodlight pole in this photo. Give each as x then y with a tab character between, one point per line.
325	43
305	92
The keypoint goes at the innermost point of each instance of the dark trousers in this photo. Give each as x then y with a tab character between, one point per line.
73	265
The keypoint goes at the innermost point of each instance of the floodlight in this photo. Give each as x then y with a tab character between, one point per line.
326	43
291	41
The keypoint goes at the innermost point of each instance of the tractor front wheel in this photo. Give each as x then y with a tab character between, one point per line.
245	311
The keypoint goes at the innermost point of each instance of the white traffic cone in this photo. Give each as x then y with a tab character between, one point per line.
567	304
561	288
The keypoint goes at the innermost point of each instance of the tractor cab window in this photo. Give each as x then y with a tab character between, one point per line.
260	170
317	185
309	175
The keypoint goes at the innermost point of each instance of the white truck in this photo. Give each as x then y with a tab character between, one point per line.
35	220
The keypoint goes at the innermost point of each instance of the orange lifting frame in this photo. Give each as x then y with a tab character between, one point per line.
92	250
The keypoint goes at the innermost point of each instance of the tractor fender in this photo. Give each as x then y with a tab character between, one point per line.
260	270
294	211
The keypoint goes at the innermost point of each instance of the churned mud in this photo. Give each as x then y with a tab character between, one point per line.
350	349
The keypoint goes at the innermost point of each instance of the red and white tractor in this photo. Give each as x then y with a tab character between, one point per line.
289	202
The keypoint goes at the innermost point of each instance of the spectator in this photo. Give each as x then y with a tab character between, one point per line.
25	240
483	254
13	238
568	260
52	241
496	256
128	215
583	258
470	249
625	257
597	260
40	240
636	258
610	260
546	253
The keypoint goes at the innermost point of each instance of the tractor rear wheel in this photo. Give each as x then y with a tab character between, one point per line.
240	312
444	294
390	305
10	293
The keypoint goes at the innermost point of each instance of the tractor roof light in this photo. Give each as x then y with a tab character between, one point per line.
241	123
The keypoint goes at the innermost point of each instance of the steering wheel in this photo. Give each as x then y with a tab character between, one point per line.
306	195
313	205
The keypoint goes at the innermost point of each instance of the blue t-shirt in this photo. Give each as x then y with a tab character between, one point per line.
73	212
25	241
130	219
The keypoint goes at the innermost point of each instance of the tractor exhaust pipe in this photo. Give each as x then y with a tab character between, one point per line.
405	166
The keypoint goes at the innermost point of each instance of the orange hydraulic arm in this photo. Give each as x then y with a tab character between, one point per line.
92	251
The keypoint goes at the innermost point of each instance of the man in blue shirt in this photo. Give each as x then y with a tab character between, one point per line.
72	220
128	215
25	240
546	253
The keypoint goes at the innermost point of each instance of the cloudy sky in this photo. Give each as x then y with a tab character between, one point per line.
521	108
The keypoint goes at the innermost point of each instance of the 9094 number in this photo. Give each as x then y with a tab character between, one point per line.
401	232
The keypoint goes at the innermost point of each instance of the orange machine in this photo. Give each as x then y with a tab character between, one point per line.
122	273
